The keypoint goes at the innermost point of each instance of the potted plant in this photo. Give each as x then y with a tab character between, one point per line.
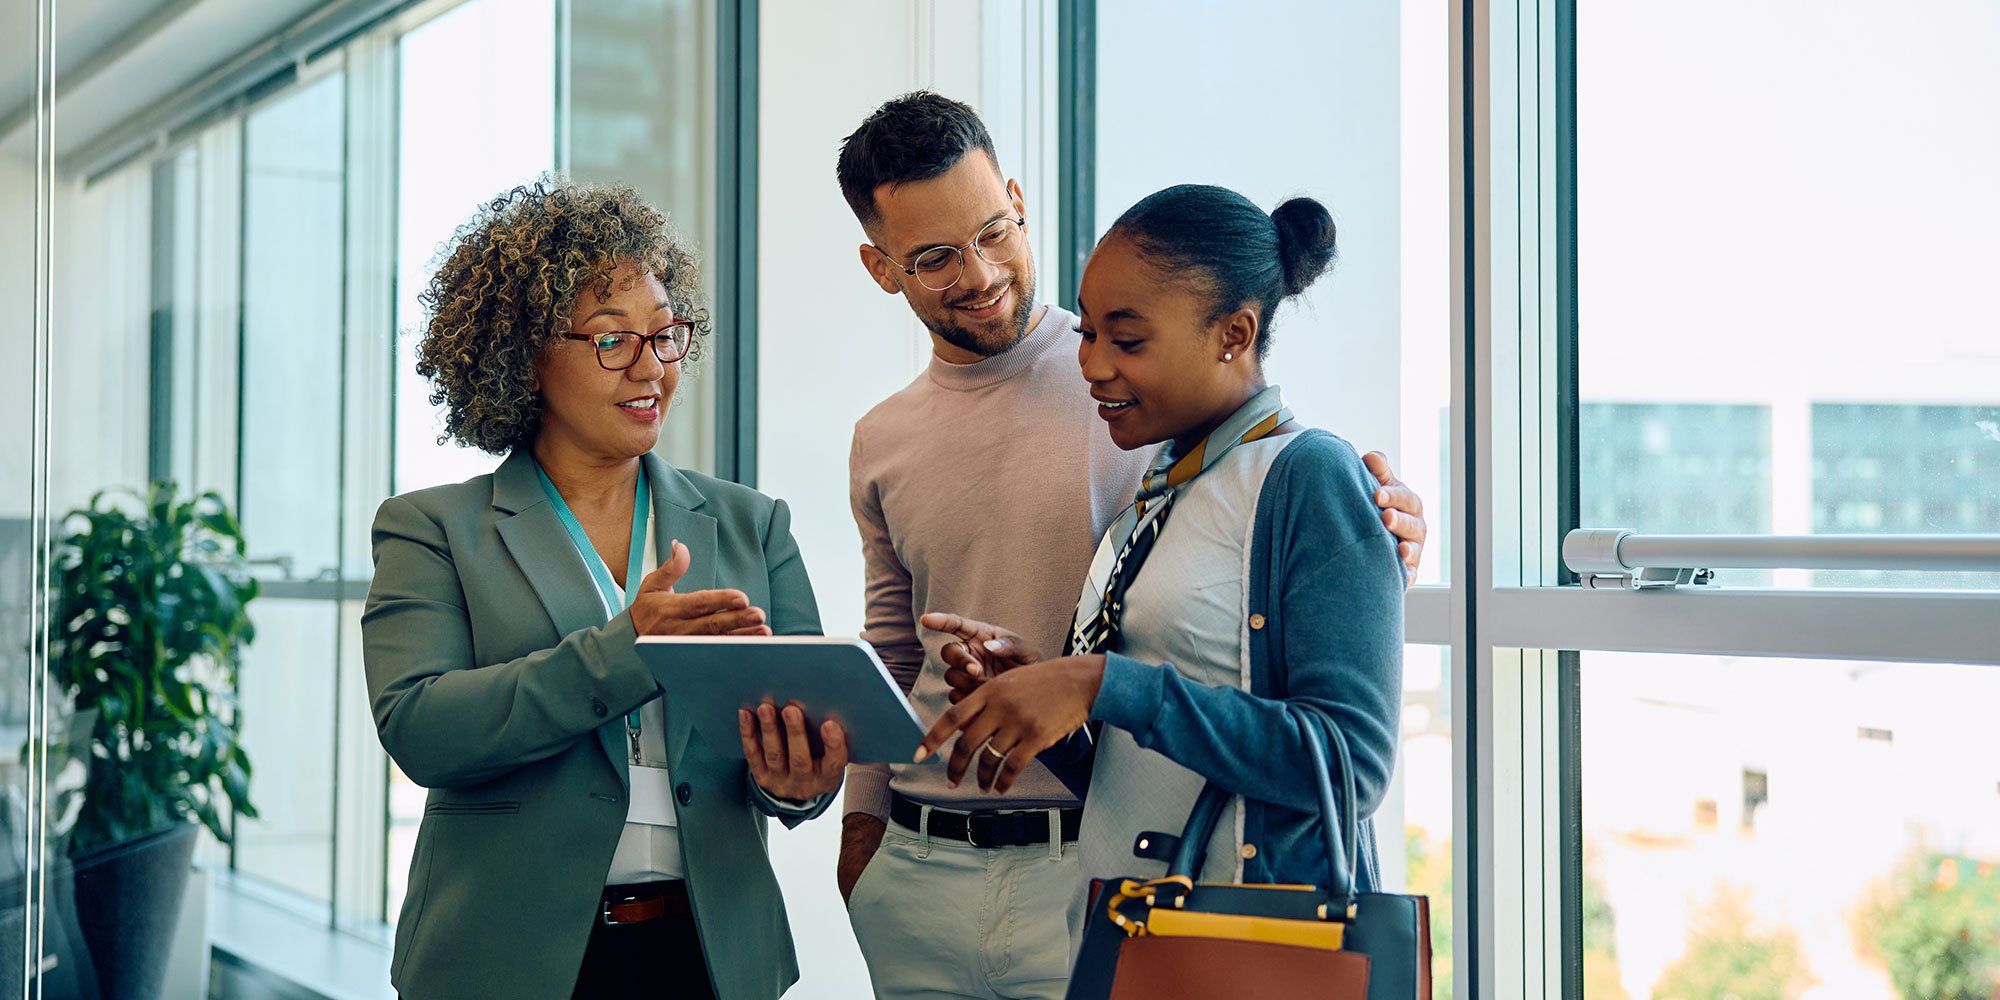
150	622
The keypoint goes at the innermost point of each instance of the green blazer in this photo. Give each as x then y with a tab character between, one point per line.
496	684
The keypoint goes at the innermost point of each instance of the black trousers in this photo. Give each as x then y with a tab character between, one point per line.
656	958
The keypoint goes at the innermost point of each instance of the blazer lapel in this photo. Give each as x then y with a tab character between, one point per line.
535	537
675	502
676	517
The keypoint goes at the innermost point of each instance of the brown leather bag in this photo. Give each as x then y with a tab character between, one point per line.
1174	938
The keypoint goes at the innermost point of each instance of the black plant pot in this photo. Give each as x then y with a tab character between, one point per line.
128	904
66	972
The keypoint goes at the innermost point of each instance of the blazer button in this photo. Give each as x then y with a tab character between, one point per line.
1249	851
597	706
1256	622
683	794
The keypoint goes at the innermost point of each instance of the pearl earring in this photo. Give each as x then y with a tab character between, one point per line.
1227	357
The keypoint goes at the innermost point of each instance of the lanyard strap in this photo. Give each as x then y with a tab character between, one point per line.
635	566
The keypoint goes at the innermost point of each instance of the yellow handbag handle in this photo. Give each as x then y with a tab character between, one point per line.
1130	890
1320	934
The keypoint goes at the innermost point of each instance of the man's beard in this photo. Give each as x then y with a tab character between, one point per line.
965	340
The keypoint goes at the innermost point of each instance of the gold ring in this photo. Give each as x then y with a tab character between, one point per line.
1002	754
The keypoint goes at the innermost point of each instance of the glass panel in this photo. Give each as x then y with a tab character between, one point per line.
641	111
1789	828
23	277
1365	353
137	706
293	267
1421	791
1699	468
1785	264
477	118
127	717
1866	454
286	692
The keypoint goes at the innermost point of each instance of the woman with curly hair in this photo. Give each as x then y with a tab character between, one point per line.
578	839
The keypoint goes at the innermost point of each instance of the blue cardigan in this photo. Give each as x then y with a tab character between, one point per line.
1326	586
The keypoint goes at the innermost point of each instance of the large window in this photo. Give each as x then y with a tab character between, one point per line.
1725	277
476	117
290	508
1793	213
1760	827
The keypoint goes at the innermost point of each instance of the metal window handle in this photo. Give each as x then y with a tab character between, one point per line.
1617	558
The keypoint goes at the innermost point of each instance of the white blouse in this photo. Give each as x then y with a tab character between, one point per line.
1187	607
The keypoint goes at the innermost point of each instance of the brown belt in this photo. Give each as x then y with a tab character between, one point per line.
637	904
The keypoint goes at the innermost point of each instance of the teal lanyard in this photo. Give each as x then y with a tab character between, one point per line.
635	566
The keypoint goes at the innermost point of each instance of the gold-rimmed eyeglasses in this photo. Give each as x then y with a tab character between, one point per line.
940	267
618	350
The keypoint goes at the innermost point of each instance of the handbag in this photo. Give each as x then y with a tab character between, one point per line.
1175	938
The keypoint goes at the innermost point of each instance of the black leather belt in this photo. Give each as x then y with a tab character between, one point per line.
992	828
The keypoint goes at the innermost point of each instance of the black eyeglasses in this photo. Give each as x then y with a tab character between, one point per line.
619	350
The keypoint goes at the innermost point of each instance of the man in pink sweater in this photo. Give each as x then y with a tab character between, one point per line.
980	488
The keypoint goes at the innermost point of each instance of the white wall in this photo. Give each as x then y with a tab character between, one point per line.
17	272
1272	100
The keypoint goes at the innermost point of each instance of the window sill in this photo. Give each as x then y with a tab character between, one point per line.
262	933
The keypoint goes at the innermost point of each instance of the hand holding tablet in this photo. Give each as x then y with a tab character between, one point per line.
781	758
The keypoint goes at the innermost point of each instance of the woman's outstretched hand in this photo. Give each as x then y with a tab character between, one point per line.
657	610
1005	720
979	653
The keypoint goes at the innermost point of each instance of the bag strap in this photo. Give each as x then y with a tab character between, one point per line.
1346	865
1340	826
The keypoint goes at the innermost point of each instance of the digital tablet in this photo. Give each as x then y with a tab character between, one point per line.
709	678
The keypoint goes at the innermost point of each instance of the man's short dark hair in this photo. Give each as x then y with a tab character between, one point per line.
915	137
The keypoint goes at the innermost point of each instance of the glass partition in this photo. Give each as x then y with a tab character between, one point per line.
24	336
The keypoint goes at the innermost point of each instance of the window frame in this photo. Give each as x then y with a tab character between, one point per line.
1521	620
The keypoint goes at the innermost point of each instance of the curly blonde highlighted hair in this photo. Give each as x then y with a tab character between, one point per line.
504	286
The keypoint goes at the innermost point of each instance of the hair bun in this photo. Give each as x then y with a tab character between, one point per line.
1305	242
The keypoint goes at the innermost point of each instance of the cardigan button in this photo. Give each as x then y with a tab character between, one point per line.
683	793
1256	622
1249	851
597	706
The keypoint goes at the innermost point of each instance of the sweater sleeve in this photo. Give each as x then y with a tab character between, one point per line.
1334	593
891	622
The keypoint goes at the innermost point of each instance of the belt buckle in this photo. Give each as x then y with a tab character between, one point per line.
604	911
970	840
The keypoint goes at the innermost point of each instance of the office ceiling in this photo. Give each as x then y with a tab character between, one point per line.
114	58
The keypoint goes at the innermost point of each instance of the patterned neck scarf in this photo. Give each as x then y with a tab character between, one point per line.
1123	550
1121	553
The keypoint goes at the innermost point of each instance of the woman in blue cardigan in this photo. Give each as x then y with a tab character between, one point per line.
1267	574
